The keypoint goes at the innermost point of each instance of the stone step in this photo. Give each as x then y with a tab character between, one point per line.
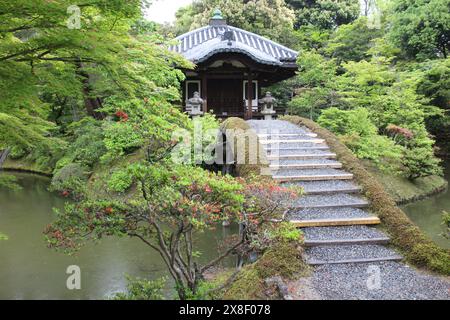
291	146
293	149
311	175
281	141
314	177
310	165
274	153
326	187
327	213
357	253
331	235
314	243
335	222
330	201
286	136
301	156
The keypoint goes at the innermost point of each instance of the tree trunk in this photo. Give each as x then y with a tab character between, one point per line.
3	155
92	104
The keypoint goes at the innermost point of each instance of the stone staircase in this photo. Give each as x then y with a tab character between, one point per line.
333	215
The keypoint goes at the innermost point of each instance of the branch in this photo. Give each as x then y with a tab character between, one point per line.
219	258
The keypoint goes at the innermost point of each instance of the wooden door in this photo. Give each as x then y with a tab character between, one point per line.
225	97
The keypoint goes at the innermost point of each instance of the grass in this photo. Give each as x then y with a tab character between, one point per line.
416	247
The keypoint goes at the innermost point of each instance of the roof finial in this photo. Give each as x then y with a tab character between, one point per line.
217	18
217	14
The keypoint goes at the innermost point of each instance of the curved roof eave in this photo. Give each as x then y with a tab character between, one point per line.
200	44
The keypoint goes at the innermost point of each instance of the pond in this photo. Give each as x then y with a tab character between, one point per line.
427	214
29	270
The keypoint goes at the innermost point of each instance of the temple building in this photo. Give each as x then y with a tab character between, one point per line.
232	66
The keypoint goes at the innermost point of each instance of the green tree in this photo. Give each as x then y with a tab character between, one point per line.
269	18
352	42
324	14
421	28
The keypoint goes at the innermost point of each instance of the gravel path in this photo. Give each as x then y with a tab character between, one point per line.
397	282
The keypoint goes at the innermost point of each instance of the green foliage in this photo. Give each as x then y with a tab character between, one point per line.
446	223
435	83
86	143
287	232
70	179
421	27
3	236
359	133
325	14
120	181
120	139
352	42
9	182
272	19
142	289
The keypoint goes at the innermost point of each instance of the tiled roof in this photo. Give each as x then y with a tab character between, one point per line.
200	44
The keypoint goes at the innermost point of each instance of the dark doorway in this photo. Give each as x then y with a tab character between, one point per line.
225	97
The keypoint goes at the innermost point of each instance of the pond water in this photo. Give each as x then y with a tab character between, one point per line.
427	214
29	270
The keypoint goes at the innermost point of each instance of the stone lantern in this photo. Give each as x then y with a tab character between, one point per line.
268	102
195	103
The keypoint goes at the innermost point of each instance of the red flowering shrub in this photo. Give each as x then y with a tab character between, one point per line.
121	116
395	131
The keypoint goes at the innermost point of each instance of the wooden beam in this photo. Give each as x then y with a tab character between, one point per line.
204	85
335	222
250	95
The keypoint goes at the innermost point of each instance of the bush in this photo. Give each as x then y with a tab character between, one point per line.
87	146
120	181
70	179
120	139
142	289
357	132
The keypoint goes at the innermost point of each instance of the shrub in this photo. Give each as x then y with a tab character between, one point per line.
70	180
120	181
142	289
357	131
120	139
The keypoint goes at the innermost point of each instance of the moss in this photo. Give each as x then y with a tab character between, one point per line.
417	248
247	286
242	131
403	190
24	165
283	259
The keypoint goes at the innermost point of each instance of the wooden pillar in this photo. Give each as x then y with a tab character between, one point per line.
249	113
204	94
